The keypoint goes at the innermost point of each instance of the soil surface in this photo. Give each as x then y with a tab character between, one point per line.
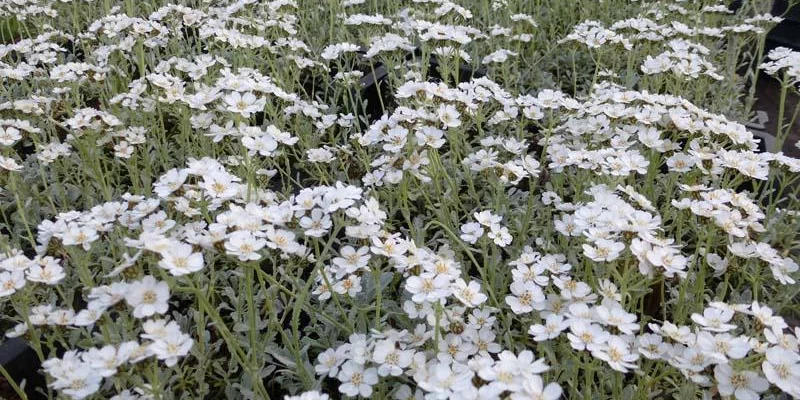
6	392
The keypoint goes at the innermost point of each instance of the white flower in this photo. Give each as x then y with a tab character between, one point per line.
525	364
47	270
717	263
17	331
107	359
609	290
445	379
351	260
585	335
782	368
652	346
484	340
765	315
392	361
722	346
244	245
487	218
220	184
10	282
715	319
498	56
430	136
617	316
263	144
455	348
428	287
89	315
527	296
356	380
63	317
404	392
471	232
617	354
320	155
244	104
79	382
744	385
567	227
159	329
108	295
9	164
603	250
449	116
17	263
79	235
340	196
317	224
500	235
9	135
469	294
552	328
533	388
171	348
284	240
180	259
169	182
350	285
328	362
147	297
681	162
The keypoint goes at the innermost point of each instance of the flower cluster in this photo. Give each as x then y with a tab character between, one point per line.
783	60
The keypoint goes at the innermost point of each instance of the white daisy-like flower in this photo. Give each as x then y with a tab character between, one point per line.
147	297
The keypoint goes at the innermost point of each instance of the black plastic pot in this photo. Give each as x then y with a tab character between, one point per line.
23	365
465	72
373	82
787	33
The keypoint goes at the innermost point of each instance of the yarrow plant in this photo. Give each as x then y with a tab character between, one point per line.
433	199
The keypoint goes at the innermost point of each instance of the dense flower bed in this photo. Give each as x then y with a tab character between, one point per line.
475	200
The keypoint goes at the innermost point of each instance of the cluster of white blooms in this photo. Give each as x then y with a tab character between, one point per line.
360	19
488	223
90	120
146	296
713	345
632	124
498	56
388	43
17	268
511	172
684	59
437	110
594	35
683	56
609	223
244	229
11	131
784	61
333	51
79	374
466	354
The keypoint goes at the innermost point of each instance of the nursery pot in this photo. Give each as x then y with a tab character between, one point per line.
22	364
787	33
372	83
